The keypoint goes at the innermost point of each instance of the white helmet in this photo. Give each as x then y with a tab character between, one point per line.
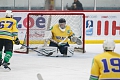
109	44
8	13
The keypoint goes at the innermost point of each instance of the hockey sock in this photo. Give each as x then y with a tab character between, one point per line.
7	57
0	54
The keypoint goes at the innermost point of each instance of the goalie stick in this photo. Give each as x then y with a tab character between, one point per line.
57	42
48	26
37	51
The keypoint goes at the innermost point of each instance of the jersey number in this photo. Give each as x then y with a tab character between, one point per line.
114	62
2	24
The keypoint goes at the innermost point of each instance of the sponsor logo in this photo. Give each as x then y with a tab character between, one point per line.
89	27
110	17
91	16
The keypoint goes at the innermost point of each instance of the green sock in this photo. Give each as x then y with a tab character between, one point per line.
7	57
0	54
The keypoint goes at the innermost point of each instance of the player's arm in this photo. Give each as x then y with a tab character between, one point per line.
94	70
15	34
15	29
71	35
74	39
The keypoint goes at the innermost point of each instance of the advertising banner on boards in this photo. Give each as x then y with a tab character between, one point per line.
98	25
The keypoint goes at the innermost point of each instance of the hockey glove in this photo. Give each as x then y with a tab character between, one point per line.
76	40
17	42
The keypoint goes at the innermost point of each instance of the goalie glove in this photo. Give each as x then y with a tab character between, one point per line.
17	42
48	35
76	40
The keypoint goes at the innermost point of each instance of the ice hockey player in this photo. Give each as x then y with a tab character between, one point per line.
60	33
8	33
106	66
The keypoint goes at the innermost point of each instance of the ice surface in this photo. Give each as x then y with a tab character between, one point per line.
26	66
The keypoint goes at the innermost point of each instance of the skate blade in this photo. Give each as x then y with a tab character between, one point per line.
5	69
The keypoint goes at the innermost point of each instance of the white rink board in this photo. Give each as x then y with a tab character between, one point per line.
91	23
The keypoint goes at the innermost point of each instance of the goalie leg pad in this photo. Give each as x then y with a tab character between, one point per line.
47	50
70	51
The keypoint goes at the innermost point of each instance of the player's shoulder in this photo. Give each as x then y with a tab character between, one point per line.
8	19
99	55
2	19
13	19
54	26
115	54
106	54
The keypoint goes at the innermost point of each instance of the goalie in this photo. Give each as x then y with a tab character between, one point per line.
59	35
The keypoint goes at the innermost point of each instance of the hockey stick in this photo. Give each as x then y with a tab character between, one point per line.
48	26
39	76
57	42
37	51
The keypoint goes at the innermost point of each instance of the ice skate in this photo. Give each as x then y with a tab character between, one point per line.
5	66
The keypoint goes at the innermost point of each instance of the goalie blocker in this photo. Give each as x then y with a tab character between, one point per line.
54	51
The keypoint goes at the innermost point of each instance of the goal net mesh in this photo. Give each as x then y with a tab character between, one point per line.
38	23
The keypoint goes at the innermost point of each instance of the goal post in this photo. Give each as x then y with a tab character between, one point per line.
35	34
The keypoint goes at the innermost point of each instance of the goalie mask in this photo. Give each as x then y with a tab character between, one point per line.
109	44
62	24
8	13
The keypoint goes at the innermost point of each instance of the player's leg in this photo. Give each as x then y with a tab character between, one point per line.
53	44
63	49
52	50
8	52
1	47
70	51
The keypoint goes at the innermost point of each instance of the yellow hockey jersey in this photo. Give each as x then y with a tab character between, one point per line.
59	35
106	66
8	28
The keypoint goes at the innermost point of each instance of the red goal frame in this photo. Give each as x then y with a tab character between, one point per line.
56	13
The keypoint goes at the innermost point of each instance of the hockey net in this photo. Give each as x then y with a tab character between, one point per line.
44	21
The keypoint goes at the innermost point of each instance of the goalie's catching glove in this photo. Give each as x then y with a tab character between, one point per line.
76	40
17	42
